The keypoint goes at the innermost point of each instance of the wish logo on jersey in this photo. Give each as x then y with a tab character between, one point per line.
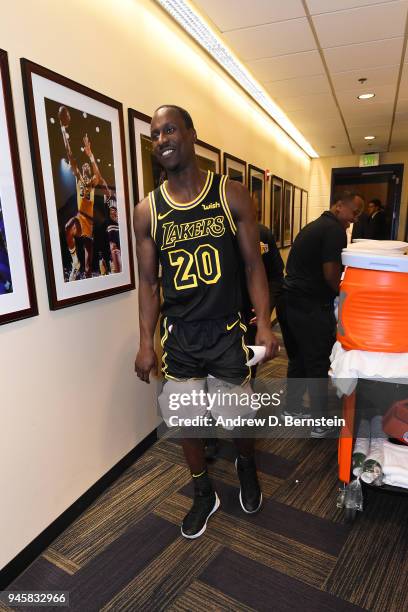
174	232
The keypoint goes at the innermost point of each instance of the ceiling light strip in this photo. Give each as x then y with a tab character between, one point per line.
326	69
394	110
184	14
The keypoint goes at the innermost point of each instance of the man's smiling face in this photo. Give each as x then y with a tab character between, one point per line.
173	142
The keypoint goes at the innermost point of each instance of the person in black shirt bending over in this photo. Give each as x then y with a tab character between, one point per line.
307	319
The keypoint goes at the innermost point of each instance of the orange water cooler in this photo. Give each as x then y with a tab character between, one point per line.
372	316
373	307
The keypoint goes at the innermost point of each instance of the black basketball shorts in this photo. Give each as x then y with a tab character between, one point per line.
197	349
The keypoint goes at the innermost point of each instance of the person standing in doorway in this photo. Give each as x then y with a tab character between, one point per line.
377	223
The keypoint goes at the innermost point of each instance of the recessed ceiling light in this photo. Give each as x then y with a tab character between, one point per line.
369	137
184	13
366	96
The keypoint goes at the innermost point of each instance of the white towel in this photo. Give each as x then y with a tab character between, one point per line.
259	353
395	465
348	366
402	484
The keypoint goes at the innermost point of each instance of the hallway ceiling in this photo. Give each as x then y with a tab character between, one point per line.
309	55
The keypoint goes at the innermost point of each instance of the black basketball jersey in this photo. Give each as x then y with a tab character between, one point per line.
197	251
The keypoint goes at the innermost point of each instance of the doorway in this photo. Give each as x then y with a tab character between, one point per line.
383	182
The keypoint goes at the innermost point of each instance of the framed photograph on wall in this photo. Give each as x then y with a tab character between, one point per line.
209	157
79	161
287	214
17	290
235	168
297	212
256	185
305	199
276	208
147	173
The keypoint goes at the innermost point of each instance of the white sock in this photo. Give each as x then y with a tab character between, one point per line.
75	260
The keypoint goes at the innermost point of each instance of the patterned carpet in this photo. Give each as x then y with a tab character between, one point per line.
126	552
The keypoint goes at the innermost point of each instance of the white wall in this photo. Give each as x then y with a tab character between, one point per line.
71	405
320	183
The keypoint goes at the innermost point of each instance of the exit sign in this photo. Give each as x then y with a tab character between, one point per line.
369	159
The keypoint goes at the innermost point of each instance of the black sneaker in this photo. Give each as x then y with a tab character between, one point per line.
295	415
205	503
321	432
211	448
250	495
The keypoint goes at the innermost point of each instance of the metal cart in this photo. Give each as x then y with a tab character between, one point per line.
345	452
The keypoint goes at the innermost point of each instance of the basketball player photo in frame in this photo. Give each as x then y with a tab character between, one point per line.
79	161
17	291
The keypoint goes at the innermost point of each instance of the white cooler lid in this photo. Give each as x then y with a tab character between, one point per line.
381	246
367	260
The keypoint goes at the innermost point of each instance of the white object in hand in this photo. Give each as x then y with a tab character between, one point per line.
259	353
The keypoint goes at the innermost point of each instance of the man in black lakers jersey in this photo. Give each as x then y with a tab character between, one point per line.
197	226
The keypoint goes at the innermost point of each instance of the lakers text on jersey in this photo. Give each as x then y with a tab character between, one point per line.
198	251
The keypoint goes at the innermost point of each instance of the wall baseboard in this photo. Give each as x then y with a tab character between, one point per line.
17	565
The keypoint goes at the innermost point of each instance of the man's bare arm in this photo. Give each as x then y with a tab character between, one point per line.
97	178
71	159
332	275
149	294
248	239
107	192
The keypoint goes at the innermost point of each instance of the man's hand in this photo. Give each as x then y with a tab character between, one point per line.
265	337
145	362
87	146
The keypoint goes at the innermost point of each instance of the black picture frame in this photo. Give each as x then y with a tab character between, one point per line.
305	202
256	186
276	207
209	157
234	167
147	174
17	287
287	214
296	211
46	91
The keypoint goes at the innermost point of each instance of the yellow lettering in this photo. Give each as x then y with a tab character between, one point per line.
174	233
217	227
